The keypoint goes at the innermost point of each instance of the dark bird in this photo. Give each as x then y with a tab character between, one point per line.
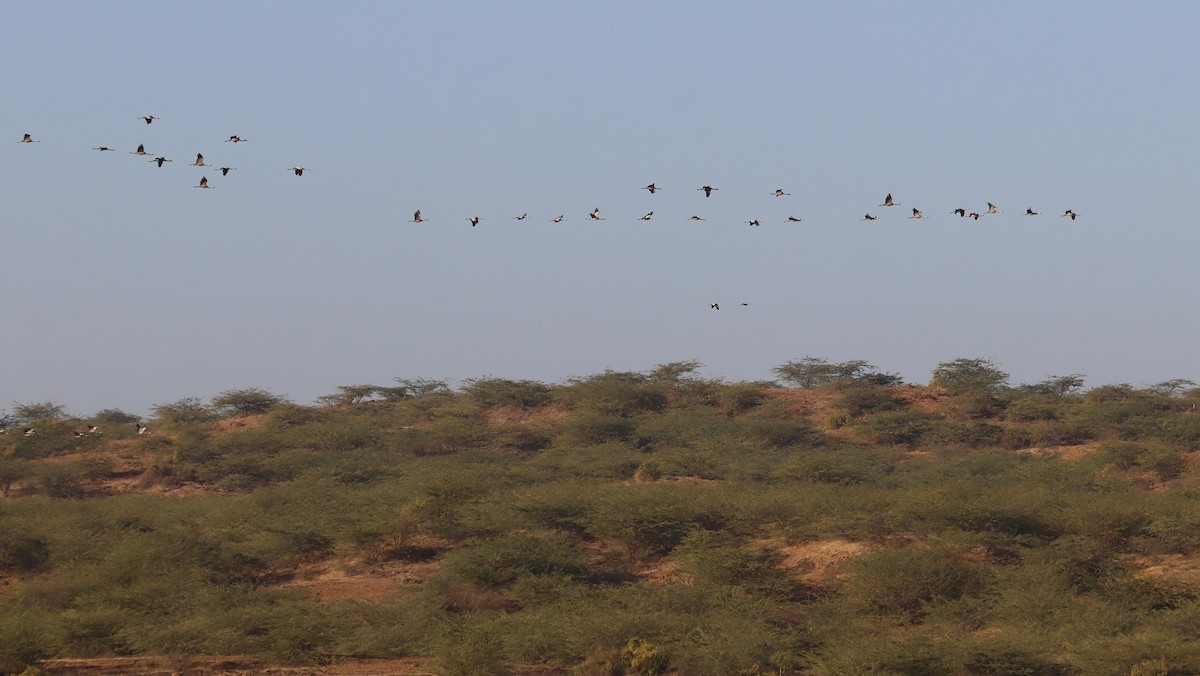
148	118
200	161
793	219
140	151
974	215
753	222
649	216
234	139
417	217
558	219
1030	212
595	215
298	170
28	139
708	190
917	214
225	170
159	160
474	220
102	148
715	306
960	212
992	209
652	188
203	183
695	218
869	217
520	217
780	193
1070	214
887	201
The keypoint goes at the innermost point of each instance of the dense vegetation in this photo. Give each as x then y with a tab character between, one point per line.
637	523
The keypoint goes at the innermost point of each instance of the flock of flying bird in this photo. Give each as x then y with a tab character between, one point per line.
708	191
160	160
652	188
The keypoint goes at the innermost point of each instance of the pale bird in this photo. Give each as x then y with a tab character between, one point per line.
200	161
917	214
649	216
141	150
203	183
992	209
28	139
887	201
595	215
417	217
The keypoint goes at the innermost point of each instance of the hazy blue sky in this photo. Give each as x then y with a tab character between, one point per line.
124	286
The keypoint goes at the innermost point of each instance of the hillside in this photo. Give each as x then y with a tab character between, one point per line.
619	523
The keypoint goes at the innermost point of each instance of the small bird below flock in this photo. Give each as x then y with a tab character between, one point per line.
140	151
203	183
225	170
887	201
159	160
708	190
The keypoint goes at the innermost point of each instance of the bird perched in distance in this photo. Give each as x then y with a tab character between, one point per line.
141	429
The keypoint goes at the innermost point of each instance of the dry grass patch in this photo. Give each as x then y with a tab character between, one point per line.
342	580
820	561
1182	569
1071	452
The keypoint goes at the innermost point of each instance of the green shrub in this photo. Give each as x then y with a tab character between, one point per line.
900	428
500	562
597	429
905	582
493	392
861	399
739	399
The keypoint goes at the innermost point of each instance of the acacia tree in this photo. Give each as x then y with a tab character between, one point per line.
809	372
248	401
967	374
38	412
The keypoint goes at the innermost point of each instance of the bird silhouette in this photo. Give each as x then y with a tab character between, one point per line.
558	219
417	217
159	160
652	188
887	201
1030	212
595	215
102	148
140	151
869	217
474	220
974	215
649	216
298	170
1070	214
225	170
234	139
793	219
695	218
203	183
28	139
960	211
715	306
992	208
148	118
708	190
753	222
520	217
780	193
